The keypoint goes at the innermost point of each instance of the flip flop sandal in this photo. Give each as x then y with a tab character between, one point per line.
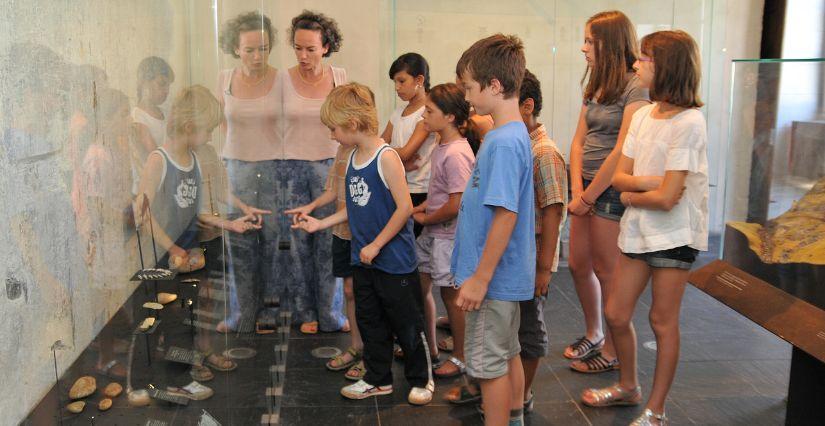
446	344
460	369
337	363
201	374
442	323
583	347
357	372
309	327
594	363
464	396
222	366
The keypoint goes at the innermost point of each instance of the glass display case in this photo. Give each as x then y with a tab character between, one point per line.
773	254
775	186
122	263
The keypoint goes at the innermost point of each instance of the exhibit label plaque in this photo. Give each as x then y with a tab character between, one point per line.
795	321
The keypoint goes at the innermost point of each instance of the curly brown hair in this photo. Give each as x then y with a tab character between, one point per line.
314	21
250	21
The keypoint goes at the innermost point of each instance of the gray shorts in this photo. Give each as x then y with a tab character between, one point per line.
532	332
489	341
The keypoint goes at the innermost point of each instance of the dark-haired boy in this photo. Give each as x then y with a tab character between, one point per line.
494	257
550	190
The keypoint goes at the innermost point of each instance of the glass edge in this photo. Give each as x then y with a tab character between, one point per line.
768	61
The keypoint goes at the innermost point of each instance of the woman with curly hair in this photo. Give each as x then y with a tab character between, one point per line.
251	98
315	296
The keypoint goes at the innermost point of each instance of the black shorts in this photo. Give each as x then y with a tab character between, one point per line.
679	257
341	257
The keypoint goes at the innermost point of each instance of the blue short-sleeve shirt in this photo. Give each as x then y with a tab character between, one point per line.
502	177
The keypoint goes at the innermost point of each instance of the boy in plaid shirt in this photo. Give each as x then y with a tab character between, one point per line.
550	186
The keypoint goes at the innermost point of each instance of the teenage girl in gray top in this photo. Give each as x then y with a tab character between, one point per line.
611	96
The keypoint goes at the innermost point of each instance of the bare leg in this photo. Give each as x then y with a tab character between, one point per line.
668	289
355	335
516	372
429	312
456	316
587	287
531	365
604	234
619	313
495	397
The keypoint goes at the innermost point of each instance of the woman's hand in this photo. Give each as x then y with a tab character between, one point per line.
419	217
256	213
412	163
299	213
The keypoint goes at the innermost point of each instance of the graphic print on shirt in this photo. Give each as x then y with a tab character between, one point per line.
186	193
360	191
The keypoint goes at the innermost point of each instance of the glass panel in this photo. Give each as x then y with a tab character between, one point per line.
776	174
87	200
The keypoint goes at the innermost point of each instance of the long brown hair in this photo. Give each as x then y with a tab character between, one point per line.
677	68
616	49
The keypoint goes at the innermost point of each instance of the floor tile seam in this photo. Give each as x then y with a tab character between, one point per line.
569	395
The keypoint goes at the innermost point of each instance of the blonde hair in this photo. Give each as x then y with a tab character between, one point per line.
351	106
196	107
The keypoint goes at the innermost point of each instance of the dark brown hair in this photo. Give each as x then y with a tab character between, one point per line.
499	57
314	21
616	49
677	68
531	89
449	98
251	21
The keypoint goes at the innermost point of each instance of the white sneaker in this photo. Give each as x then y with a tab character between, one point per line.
422	396
362	389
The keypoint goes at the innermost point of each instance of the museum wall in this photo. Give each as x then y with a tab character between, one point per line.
68	68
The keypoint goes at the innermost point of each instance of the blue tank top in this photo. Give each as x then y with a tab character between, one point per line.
369	207
177	201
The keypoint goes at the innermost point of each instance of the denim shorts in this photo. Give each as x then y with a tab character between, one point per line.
679	257
609	204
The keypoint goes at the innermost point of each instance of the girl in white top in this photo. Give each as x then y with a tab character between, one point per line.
154	76
663	176
405	131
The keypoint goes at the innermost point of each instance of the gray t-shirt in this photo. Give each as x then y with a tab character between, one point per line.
603	124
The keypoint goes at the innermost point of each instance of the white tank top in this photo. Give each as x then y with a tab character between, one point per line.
402	128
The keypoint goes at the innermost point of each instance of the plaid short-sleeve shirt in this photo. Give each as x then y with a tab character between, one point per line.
549	177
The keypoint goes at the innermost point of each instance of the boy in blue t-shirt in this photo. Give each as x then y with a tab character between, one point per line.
495	251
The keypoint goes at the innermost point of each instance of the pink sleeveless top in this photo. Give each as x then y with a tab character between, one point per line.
252	125
305	137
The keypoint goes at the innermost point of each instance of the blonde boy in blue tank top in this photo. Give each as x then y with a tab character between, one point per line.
494	260
385	269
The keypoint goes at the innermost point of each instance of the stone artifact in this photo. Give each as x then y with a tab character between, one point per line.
83	387
166	298
105	404
195	260
76	407
112	390
139	398
796	236
153	305
147	324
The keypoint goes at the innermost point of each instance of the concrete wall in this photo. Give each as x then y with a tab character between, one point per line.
55	55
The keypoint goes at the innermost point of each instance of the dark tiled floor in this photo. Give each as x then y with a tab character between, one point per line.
731	372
